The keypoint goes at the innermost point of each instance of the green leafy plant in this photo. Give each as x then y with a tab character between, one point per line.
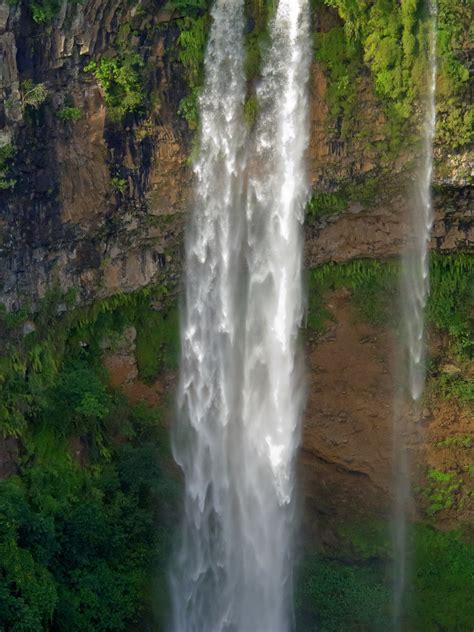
119	185
120	81
323	203
33	94
191	42
69	114
7	152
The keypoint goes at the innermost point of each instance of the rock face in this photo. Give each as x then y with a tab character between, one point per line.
64	223
99	206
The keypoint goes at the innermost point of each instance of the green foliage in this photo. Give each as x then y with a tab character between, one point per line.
342	58
120	79
443	576
119	185
322	204
452	298
373	285
334	596
33	94
69	114
191	43
251	110
453	387
459	441
189	8
392	38
78	544
364	540
157	342
331	590
7	152
440	492
189	108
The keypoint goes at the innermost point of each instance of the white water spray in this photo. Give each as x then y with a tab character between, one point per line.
272	394
414	295
240	397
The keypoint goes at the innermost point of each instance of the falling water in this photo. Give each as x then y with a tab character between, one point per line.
272	394
414	295
240	397
206	439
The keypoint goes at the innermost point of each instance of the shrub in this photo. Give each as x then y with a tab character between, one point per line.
120	81
69	114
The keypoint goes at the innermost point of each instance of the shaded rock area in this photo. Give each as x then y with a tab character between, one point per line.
9	453
65	222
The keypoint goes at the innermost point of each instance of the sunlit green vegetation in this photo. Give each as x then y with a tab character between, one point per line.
392	40
375	288
121	82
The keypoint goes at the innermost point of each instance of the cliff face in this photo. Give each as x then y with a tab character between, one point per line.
98	203
90	203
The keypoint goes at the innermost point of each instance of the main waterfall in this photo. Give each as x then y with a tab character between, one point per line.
240	394
414	290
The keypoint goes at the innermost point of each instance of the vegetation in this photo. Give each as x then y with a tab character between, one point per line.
369	36
7	152
33	94
440	491
191	42
375	287
32	364
344	593
82	537
373	284
120	81
119	185
336	597
69	114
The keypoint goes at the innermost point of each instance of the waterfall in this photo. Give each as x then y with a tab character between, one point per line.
414	294
207	432
272	391
240	395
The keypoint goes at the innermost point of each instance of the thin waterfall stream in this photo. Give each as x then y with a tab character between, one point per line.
414	291
241	395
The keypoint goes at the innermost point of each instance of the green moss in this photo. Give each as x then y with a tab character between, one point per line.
322	204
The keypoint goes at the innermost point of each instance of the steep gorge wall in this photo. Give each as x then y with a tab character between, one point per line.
98	204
